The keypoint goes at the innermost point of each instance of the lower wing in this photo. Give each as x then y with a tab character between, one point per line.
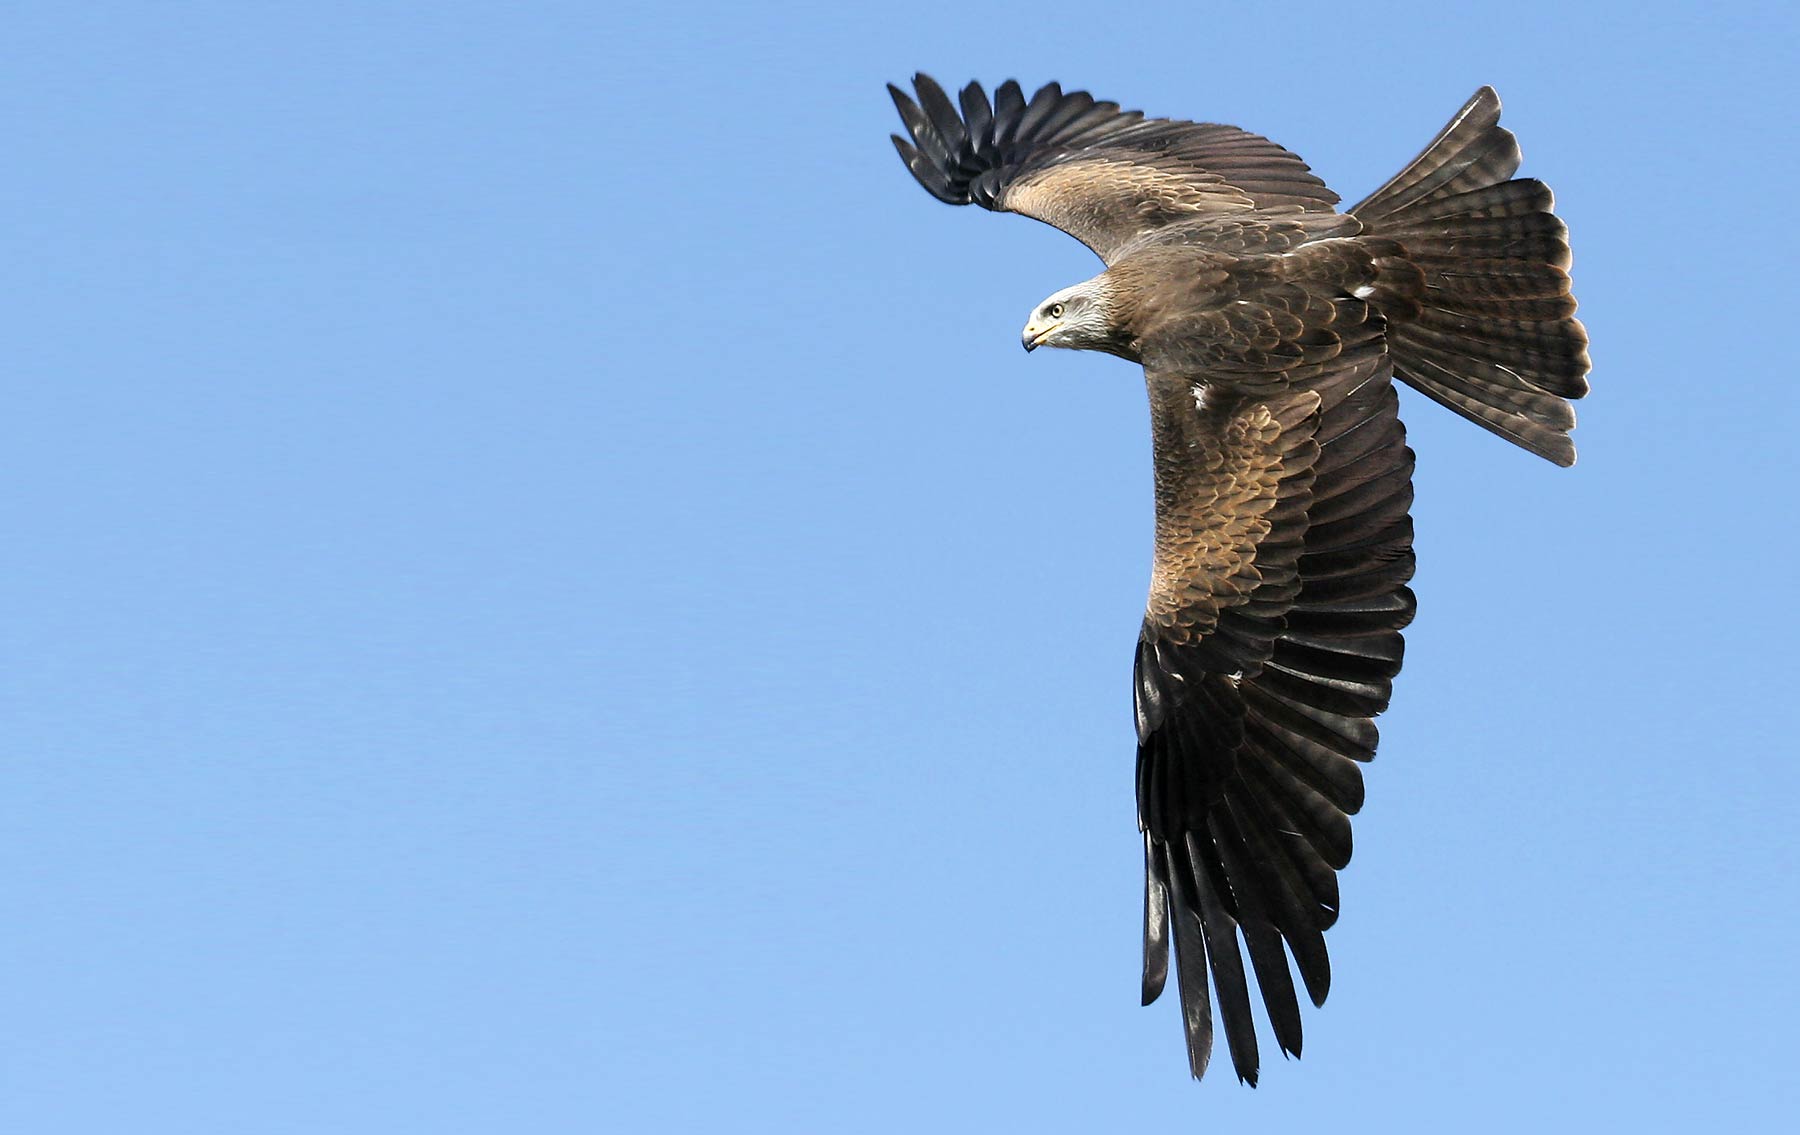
1257	684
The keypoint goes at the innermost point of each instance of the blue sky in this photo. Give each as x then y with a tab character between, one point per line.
543	595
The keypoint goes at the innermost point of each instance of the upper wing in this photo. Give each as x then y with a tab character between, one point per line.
1103	175
1272	636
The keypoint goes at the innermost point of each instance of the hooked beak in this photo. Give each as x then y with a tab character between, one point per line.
1034	335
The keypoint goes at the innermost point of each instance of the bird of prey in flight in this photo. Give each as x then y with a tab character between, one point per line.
1270	327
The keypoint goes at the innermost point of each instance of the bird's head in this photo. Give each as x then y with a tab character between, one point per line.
1079	318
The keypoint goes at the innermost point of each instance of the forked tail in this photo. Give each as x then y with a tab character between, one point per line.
1490	329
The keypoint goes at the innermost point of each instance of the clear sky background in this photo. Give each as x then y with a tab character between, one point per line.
542	595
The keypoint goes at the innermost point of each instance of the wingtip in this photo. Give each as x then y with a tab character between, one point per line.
1198	1062
923	83
1318	985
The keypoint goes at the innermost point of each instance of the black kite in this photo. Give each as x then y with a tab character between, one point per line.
1270	327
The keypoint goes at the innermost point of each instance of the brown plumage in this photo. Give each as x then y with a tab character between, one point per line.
1270	328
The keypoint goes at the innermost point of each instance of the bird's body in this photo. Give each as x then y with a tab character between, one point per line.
1270	327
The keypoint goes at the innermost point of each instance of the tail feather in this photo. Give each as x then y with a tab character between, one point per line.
1472	151
1549	355
1536	307
1499	229
1485	323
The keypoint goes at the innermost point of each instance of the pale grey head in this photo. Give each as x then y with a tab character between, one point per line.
1079	318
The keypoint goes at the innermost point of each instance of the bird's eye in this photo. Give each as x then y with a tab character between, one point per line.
1056	310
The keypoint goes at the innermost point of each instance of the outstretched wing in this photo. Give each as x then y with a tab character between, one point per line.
1270	643
1103	175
